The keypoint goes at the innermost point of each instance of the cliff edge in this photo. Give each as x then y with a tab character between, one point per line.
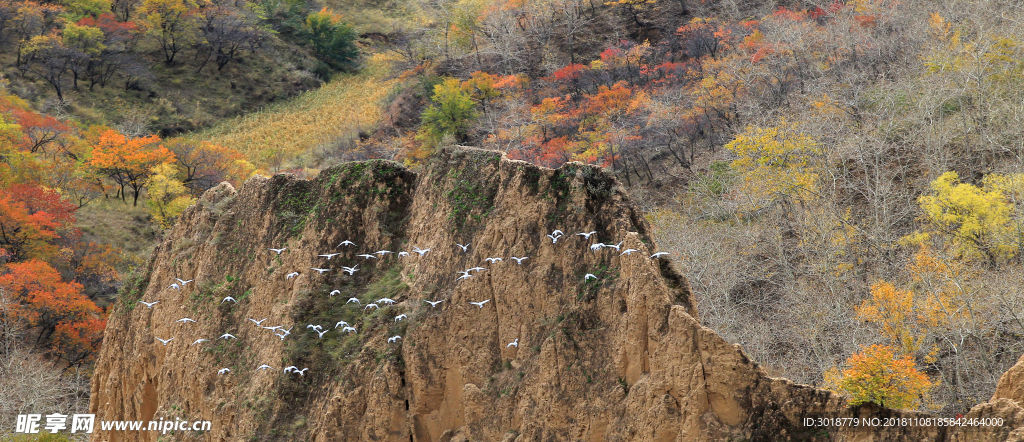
617	357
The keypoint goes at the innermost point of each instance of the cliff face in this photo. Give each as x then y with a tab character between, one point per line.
619	358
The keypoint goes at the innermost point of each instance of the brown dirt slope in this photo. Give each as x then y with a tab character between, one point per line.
619	358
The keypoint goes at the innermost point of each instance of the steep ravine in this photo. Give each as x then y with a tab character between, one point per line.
619	358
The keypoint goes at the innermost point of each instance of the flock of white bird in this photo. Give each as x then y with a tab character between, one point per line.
346	328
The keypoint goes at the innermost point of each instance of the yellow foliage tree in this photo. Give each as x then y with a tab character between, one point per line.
933	306
168	196
775	161
981	222
894	311
877	375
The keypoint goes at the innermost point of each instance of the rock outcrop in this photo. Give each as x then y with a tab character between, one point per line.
618	358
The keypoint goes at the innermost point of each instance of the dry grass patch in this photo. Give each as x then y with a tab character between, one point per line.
280	133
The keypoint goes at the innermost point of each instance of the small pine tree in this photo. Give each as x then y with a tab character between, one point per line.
333	40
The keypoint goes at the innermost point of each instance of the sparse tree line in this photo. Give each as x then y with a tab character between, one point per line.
82	44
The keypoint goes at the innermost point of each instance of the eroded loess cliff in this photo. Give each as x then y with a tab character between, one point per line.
619	358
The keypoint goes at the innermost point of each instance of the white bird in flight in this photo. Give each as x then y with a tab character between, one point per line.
165	341
228	298
260	322
383	252
183	282
350	270
223	370
589	276
481	303
227	336
149	304
616	246
492	260
174	286
282	335
394	338
463	247
301	372
199	341
628	252
558	233
420	251
263	367
465	276
400	317
315	327
185	320
513	344
355	300
289	368
658	254
587	234
598	246
434	303
329	255
272	328
291	275
387	301
371	305
346	243
278	251
320	334
364	256
403	253
348	329
335	292
554	239
339	324
320	271
476	269
520	260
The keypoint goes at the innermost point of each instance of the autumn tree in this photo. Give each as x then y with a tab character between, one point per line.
49	59
168	197
47	302
481	87
114	55
775	161
170	23
78	342
24	234
129	162
87	41
980	222
878	375
451	112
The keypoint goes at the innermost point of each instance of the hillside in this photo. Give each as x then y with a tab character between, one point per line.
619	357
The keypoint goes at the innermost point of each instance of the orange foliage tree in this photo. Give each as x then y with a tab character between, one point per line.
48	303
879	376
128	161
24	234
